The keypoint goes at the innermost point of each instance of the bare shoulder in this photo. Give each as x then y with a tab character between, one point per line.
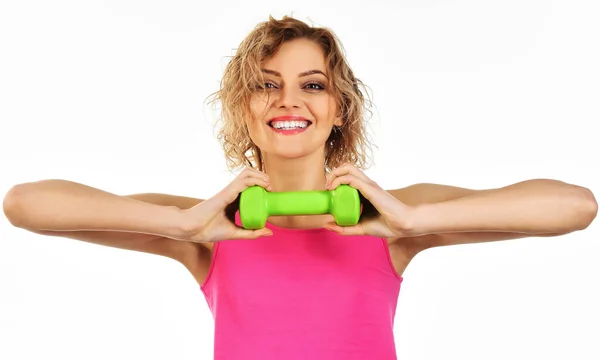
402	253
196	257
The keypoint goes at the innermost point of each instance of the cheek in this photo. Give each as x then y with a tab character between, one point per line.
333	106
326	109
253	118
258	106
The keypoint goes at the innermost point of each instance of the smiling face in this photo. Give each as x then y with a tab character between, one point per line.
294	114
278	71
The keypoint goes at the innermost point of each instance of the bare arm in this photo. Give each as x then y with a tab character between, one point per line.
140	222
541	207
534	207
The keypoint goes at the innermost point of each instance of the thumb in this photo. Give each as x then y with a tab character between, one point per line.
345	230
242	233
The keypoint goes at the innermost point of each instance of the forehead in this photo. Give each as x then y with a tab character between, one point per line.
297	55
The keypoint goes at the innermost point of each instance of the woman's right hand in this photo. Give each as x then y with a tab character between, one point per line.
212	219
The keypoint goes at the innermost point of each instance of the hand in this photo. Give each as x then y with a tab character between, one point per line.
383	215
213	220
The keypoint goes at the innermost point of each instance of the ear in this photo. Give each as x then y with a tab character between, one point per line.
337	120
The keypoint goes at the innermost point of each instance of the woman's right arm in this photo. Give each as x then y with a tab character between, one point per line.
142	222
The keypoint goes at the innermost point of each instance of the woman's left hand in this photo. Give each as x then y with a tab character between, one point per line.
382	216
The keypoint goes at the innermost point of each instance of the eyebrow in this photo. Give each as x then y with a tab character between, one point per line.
305	73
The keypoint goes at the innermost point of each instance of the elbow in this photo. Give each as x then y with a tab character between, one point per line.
587	208
13	207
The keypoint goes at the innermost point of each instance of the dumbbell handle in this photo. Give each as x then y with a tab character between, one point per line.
313	202
257	204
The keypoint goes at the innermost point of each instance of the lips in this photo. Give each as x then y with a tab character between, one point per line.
289	118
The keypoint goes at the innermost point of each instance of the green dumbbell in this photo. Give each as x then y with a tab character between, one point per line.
257	204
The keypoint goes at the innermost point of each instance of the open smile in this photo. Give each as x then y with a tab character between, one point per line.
289	125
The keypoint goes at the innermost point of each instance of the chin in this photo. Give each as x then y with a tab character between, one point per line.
291	152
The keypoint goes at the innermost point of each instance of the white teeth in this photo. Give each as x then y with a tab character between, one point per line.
289	124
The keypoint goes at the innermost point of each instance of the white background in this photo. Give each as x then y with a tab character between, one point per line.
469	93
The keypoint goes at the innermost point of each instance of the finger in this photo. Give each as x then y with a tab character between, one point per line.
265	181
252	181
248	171
231	192
241	233
347	179
356	230
346	169
367	189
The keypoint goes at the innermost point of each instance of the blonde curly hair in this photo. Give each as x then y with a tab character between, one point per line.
346	143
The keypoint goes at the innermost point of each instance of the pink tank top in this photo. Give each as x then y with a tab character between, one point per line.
303	294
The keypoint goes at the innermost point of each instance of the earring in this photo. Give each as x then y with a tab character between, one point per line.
336	129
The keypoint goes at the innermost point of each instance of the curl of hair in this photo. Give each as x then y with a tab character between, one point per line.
348	143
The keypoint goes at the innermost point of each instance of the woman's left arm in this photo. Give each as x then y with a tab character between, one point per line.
455	215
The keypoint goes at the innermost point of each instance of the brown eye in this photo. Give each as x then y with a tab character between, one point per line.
265	86
315	86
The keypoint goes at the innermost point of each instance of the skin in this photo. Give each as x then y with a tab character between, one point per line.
412	219
296	163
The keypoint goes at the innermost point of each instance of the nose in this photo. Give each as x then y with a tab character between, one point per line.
289	97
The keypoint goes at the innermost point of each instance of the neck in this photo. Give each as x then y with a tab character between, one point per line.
297	174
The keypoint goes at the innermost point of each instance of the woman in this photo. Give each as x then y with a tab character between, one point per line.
302	287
